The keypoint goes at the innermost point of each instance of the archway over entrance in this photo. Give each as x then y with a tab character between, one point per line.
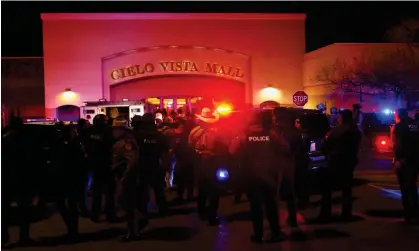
68	113
178	86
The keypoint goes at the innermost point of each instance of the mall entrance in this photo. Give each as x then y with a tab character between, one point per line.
172	103
171	92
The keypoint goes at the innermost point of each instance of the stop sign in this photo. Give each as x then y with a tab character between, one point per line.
300	98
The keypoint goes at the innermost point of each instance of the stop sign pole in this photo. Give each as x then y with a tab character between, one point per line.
300	98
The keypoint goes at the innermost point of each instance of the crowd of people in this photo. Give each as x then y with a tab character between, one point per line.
126	163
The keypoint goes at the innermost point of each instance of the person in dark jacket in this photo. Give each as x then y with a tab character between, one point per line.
341	148
283	123
83	137
261	150
125	166
211	151
19	175
184	154
153	147
99	153
68	158
405	135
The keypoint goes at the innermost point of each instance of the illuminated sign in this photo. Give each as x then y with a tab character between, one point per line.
176	67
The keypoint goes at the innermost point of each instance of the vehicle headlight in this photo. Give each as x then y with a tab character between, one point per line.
222	174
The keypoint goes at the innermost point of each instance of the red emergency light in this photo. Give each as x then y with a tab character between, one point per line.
224	109
383	144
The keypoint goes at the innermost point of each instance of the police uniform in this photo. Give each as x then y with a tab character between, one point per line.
184	160
168	162
260	151
126	169
341	148
99	151
152	148
406	158
68	158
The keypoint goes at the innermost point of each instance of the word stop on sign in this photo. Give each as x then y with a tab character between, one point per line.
300	99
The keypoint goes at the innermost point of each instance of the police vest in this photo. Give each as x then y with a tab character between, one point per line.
260	154
149	145
407	140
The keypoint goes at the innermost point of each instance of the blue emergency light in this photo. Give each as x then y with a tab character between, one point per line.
222	174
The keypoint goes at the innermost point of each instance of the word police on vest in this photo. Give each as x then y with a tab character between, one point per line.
150	141
259	138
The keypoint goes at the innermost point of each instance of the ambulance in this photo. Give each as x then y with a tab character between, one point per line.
114	110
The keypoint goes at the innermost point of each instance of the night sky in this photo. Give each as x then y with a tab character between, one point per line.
327	22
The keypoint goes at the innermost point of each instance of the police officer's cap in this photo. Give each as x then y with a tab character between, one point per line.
148	118
99	119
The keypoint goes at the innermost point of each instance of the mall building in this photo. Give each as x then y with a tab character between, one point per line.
172	58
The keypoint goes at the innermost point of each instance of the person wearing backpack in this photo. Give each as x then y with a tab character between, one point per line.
210	150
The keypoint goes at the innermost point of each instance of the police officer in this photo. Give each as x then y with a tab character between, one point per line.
341	148
262	172
333	117
99	152
405	136
125	166
152	148
211	152
83	137
184	159
292	169
19	162
68	158
301	165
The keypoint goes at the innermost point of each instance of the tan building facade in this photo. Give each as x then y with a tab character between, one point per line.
134	56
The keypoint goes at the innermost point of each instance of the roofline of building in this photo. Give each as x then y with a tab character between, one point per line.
172	16
312	54
21	57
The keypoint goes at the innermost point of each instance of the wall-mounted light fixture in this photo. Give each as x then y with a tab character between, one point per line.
270	93
68	96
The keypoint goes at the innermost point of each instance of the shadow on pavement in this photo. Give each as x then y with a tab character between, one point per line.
335	219
239	216
326	234
385	213
335	201
359	182
173	211
105	234
38	214
169	233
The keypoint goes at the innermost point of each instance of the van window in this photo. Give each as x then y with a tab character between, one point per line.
89	111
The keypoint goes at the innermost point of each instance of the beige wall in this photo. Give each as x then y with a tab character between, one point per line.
348	52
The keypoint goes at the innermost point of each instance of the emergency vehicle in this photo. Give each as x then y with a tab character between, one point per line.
126	109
